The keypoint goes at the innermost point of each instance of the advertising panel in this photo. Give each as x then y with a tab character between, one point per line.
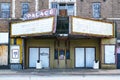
87	27
33	27
14	54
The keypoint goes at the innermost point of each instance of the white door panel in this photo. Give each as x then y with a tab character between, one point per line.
33	56
90	57
44	57
79	57
84	57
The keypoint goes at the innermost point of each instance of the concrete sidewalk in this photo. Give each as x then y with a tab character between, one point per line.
52	72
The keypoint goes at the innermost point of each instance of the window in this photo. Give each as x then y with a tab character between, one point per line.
63	8
54	5
25	8
70	8
62	25
4	10
61	54
67	54
56	54
96	10
4	38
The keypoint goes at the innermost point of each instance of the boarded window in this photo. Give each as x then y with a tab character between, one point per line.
109	54
3	55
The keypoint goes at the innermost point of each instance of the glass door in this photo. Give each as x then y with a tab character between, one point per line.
44	57
90	57
33	56
79	57
84	57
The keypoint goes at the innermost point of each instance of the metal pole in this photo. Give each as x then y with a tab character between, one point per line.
9	29
23	46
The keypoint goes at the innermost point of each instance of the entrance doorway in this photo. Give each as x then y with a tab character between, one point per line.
84	57
63	56
62	53
44	57
41	54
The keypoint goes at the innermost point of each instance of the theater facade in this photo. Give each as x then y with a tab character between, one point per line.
61	42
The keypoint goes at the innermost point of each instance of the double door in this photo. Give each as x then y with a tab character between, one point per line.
84	57
41	54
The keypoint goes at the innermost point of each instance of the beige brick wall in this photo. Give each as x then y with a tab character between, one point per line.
43	4
84	8
116	8
3	25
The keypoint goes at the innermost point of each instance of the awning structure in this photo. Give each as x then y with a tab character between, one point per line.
89	27
37	27
77	27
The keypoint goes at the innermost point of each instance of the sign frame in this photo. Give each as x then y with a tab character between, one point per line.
53	25
40	14
91	34
14	53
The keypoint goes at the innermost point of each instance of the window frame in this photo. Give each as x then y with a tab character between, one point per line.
66	6
105	55
96	13
5	11
25	10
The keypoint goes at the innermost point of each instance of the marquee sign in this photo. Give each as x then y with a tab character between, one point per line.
33	27
87	27
39	14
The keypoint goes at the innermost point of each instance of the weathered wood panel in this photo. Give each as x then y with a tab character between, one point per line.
3	55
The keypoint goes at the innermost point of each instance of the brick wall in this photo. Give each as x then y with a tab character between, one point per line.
84	8
3	25
19	6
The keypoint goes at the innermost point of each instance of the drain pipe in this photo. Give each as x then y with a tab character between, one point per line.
23	52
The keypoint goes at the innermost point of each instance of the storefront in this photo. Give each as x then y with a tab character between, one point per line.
73	43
